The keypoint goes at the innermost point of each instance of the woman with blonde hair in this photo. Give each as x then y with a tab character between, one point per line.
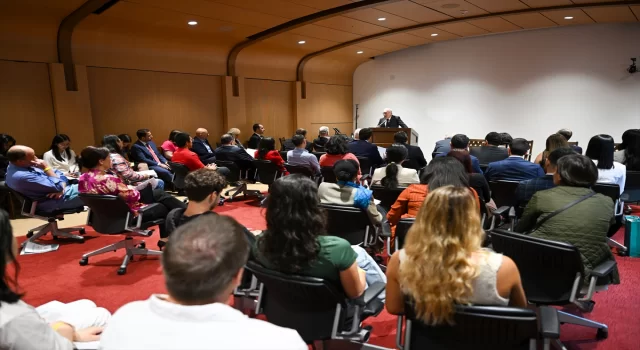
235	132
443	264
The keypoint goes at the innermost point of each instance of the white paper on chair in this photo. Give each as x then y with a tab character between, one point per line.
91	345
383	152
151	173
35	248
377	201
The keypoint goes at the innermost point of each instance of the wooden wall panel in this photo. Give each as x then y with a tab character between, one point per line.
123	101
272	104
325	105
26	109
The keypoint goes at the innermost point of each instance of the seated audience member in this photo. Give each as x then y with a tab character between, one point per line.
321	141
25	327
506	139
442	263
295	240
476	180
202	265
290	146
6	142
61	157
267	151
337	150
628	152
230	152
235	132
527	188
202	148
567	135
300	156
490	151
394	175
190	159
120	166
415	157
169	146
258	132
585	224
362	147
145	151
442	171
348	192
554	142
443	146
600	150
460	143
97	181
514	168
35	179
126	145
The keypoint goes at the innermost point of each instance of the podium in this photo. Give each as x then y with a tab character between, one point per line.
383	137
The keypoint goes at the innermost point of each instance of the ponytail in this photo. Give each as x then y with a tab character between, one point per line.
390	181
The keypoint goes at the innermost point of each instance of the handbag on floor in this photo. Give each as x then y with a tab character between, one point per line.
632	235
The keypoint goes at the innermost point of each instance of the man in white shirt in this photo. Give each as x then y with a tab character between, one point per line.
202	265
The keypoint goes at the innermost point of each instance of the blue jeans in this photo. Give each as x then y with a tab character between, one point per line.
164	174
373	272
160	185
70	200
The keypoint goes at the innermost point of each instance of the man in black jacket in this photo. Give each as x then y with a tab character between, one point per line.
415	158
390	121
202	148
230	152
491	151
361	147
254	140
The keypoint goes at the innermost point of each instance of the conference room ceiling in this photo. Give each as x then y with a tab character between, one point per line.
228	22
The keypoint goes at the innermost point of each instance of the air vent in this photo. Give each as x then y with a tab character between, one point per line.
450	6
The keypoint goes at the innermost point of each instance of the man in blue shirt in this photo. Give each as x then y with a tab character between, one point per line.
34	178
301	157
515	167
460	142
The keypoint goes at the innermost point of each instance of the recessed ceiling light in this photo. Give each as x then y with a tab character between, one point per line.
434	34
301	42
360	52
569	17
192	23
382	19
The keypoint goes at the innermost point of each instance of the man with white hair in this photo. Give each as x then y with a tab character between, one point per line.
323	137
390	121
356	134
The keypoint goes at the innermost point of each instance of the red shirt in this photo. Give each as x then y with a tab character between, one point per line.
275	158
187	158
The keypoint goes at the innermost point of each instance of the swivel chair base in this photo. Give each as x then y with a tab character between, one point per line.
132	247
52	226
243	190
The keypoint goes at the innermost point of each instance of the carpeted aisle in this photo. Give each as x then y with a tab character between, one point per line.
58	276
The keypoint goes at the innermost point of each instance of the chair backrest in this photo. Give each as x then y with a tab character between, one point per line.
318	148
402	228
504	192
632	181
283	154
108	214
299	169
475	327
318	154
475	142
328	175
609	190
548	269
306	304
282	140
267	171
180	171
365	165
386	196
347	222
26	202
234	170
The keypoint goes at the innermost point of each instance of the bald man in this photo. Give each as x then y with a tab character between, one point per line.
202	148
35	179
389	120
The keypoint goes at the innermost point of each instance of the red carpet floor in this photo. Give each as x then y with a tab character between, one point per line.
58	276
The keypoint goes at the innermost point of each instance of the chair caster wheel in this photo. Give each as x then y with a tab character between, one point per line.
84	261
29	234
82	231
142	245
603	333
122	271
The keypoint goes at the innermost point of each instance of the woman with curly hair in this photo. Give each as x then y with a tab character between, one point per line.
443	264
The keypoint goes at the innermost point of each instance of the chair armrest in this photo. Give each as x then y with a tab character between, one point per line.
549	323
604	269
373	291
141	212
502	210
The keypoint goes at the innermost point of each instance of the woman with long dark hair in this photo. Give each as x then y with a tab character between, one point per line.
629	150
267	151
337	149
120	165
25	327
295	240
394	175
554	142
476	181
61	157
169	146
600	150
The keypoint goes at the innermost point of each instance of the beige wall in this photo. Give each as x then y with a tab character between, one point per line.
270	103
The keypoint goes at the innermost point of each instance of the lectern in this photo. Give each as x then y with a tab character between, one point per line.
383	137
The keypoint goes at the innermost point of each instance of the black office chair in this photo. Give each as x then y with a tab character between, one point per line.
282	140
299	169
328	175
480	327
319	154
283	154
110	215
503	193
613	191
180	171
266	171
30	209
366	168
315	308
631	187
235	176
350	223
386	196
7	199
552	274
402	228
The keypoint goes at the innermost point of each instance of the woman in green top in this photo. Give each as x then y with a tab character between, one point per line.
296	242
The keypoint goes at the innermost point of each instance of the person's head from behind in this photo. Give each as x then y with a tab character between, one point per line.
258	128
365	134
299	141
60	144
555	141
126	141
301	131
464	158
183	140
203	262
346	170
337	144
396	154
626	138
575	170
266	145
235	132
445	171
566	133
459	141
6	142
632	150
518	147
294	221
8	253
172	135
493	139
204	187
600	149
96	158
506	138
144	135
21	156
551	163
113	143
440	269
400	137
323	131
227	140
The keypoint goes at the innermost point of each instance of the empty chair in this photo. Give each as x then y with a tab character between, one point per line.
386	196
180	171
299	169
235	177
402	228
631	187
110	215
266	171
366	167
503	193
350	223
613	191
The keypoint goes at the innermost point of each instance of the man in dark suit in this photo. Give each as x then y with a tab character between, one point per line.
491	151
515	167
322	139
390	121
290	146
361	147
230	152
145	151
567	135
460	142
415	157
202	148
254	140
526	189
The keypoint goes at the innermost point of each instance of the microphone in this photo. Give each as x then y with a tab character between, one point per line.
384	121
337	131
